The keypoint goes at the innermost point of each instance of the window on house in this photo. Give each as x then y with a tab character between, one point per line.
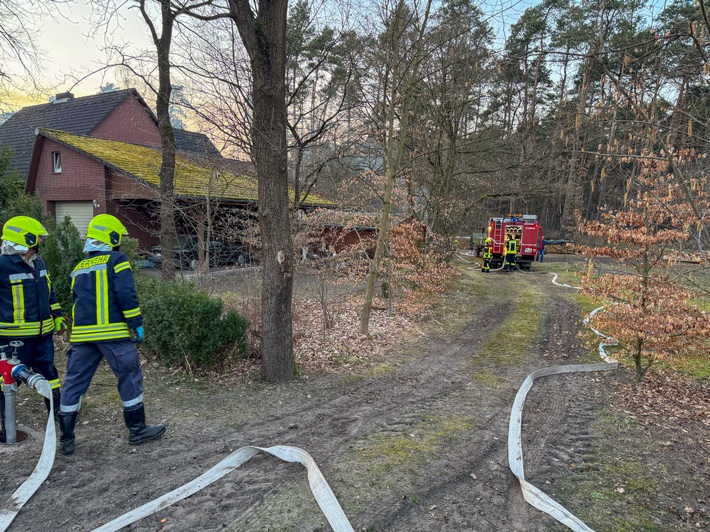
57	162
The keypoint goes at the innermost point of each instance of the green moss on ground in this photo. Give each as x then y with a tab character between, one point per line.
489	379
513	339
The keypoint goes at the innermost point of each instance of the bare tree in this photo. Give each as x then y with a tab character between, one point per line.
401	70
262	28
161	25
19	24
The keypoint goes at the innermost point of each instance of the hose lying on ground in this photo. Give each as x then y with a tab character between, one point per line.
319	487
41	471
532	494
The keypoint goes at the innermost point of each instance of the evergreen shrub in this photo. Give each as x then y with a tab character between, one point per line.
62	250
185	326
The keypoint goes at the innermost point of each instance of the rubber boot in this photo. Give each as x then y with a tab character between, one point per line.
67	421
138	431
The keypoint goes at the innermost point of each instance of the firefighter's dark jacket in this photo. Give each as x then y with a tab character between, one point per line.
105	300
28	304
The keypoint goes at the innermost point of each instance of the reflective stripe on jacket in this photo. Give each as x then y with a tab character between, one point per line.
511	247
105	300
28	303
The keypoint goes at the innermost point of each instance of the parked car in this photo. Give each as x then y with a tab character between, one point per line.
225	254
186	253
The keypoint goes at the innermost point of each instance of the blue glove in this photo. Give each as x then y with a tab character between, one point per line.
140	334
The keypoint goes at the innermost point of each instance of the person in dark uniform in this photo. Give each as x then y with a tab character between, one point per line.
511	250
106	311
487	255
29	310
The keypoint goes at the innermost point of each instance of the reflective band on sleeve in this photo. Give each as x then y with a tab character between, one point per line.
55	306
55	383
43	273
20	276
122	266
132	313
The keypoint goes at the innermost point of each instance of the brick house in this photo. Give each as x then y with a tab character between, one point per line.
101	154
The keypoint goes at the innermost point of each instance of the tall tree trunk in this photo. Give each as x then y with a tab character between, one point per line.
573	178
264	38
167	135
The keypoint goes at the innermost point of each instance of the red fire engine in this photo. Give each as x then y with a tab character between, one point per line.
522	227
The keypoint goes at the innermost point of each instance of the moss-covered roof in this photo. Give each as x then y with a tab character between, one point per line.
143	164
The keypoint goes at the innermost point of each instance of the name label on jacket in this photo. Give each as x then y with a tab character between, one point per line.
93	261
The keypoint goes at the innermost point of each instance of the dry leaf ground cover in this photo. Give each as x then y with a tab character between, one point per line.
408	425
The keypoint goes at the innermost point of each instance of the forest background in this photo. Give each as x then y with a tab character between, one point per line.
415	109
551	122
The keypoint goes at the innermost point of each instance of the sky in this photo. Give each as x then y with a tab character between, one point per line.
70	51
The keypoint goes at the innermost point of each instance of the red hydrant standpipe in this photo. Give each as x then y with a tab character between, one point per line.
9	391
13	372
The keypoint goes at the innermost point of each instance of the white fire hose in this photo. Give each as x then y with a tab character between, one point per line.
319	487
17	500
532	494
322	492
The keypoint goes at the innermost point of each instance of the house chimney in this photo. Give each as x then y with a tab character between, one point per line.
63	96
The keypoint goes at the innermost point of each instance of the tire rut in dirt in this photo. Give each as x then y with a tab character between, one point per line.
557	416
393	404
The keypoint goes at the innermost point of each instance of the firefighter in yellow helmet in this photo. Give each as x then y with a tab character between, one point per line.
511	250
29	310
487	255
106	313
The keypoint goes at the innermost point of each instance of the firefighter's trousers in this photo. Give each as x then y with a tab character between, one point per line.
83	359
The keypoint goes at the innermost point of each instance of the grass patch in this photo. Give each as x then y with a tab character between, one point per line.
466	293
694	367
567	272
489	379
585	302
514	338
383	453
622	494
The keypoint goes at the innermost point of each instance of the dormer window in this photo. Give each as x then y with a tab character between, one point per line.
57	162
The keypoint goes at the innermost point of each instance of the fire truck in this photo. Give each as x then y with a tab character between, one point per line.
522	227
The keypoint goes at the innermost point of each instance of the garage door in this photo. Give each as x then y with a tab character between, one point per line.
81	213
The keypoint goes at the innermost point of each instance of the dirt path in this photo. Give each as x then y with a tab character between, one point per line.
419	444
